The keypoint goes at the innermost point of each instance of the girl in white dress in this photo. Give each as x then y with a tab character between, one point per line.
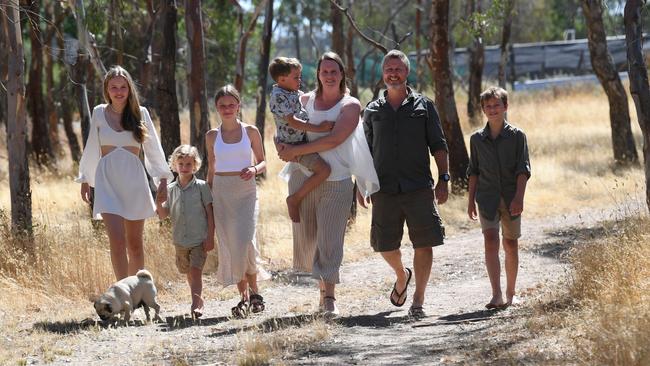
110	163
235	157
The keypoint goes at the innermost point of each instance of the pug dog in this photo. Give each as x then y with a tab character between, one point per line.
126	295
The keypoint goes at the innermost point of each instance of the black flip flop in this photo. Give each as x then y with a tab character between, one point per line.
399	294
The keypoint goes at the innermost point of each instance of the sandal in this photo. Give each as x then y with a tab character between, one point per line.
241	310
417	312
257	303
329	306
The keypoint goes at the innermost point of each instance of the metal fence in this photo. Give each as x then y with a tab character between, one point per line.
546	59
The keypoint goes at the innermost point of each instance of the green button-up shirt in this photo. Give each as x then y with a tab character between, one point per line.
497	163
401	140
187	207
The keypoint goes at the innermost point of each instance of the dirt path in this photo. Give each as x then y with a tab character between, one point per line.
369	331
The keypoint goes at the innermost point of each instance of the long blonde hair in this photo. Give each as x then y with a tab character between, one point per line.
131	117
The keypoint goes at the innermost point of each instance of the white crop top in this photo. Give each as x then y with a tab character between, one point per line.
109	137
232	157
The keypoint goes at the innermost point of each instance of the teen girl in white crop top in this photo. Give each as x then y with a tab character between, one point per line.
232	157
235	157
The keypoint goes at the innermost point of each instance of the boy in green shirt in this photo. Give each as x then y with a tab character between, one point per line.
498	171
189	203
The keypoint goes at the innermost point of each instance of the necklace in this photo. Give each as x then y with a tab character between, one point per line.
110	106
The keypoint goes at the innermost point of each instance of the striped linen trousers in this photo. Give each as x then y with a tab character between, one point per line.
318	237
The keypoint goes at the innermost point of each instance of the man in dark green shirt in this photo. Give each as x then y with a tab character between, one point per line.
498	172
402	128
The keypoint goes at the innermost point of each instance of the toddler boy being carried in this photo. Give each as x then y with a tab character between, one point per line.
291	122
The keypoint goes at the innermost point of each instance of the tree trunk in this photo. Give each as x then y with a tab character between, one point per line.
51	105
338	39
170	132
66	115
316	51
79	73
419	72
4	54
21	195
50	91
117	27
476	60
638	73
265	54
295	30
86	40
444	94
41	144
505	39
241	46
601	61
199	123
351	67
151	60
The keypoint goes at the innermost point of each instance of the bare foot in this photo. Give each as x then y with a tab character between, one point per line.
512	301
197	309
294	208
495	303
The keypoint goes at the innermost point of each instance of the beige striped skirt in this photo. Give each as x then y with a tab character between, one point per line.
318	237
236	208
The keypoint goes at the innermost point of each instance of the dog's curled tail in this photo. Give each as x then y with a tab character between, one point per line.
144	274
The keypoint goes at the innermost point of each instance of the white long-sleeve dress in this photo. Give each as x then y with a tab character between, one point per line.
119	179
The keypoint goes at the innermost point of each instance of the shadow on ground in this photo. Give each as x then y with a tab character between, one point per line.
178	322
73	326
270	325
379	320
559	242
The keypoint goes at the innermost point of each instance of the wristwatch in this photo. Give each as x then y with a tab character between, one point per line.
445	177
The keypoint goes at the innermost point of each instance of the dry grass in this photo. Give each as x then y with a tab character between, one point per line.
255	348
612	289
603	316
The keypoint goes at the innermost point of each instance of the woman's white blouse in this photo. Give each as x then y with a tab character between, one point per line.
351	157
154	156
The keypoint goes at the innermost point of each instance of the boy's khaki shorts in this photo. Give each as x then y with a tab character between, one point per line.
187	257
511	227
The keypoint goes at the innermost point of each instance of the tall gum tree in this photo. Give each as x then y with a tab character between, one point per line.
21	195
638	73
601	61
265	55
444	94
167	101
41	144
199	123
